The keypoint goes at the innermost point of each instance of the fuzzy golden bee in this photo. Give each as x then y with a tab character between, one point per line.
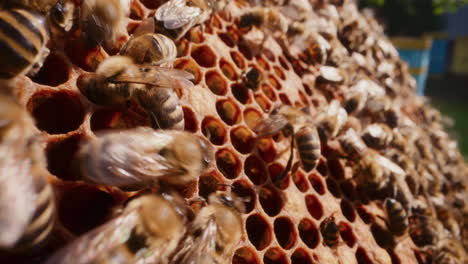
311	46
150	48
22	43
138	158
214	233
269	19
353	146
299	125
330	232
331	121
118	80
27	205
147	231
377	136
397	217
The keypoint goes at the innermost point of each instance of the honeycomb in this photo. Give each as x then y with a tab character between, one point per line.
282	219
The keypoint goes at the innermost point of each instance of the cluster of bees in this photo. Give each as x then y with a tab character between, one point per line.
408	164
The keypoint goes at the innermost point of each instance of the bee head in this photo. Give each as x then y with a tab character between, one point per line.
87	85
62	14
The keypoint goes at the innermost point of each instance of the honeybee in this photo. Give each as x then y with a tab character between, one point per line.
27	205
147	231
397	217
330	232
136	158
23	42
150	48
297	124
352	144
359	93
103	21
377	136
214	233
266	18
425	230
118	80
331	121
449	251
312	47
252	78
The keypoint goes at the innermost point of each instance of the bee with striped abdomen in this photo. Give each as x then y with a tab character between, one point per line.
331	121
147	231
377	136
150	48
214	233
251	78
22	43
330	232
141	157
27	205
397	217
118	80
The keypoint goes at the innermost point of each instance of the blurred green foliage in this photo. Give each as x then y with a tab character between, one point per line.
412	17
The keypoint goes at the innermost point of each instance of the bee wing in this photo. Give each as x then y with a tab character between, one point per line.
271	125
388	164
97	243
176	14
158	77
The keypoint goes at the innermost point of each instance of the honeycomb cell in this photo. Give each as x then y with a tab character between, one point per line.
269	55
60	154
263	102
190	120
303	98
245	190
241	93
272	200
274	82
82	208
266	149
284	62
364	214
300	181
245	255
190	66
214	130
195	35
333	188
53	72
300	256
336	169
216	83
245	49
317	183
279	72
216	22
285	232
255	170
285	99
56	112
275	256
83	57
263	63
349	190
322	168
252	117
227	39
238	59
308	233
307	89
258	231
234	32
242	139
276	171
314	206
228	111
204	56
118	118
228	163
394	257
228	70
209	183
269	92
183	48
152	4
347	234
362	257
382	236
348	210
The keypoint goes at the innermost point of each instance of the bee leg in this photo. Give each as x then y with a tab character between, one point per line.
289	164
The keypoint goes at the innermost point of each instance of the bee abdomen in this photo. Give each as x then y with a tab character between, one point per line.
23	36
308	145
165	107
398	219
330	233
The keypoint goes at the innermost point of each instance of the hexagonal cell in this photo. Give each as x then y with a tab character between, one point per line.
333	188
227	39
266	149
234	32
195	35
216	83
262	63
263	102
209	183
54	71
307	89
86	58
60	154
242	139
189	65
183	47
118	118
275	256
308	233
314	206
268	54
191	122
228	163
285	232
300	181
255	170
56	112
382	236
347	234
285	99
279	72
204	56
241	93
276	170
269	92
272	200
348	210
362	257
252	117
364	214
394	257
238	59
274	82
214	130
152	4
284	62
228	70
300	256
258	231
229	111
317	183
336	169
82	208
245	49
304	98
245	190
322	168
245	255
349	190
